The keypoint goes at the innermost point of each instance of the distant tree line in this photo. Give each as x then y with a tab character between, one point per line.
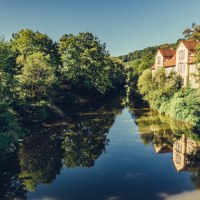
149	51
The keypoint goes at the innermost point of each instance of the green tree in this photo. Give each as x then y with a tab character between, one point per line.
192	33
27	42
37	79
158	88
145	82
7	71
86	63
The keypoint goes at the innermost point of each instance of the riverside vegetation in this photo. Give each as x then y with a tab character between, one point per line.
40	78
38	75
161	92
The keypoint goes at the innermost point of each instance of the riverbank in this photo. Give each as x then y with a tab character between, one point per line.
165	94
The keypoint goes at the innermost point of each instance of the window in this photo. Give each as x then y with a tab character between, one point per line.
178	159
159	61
179	147
181	68
181	55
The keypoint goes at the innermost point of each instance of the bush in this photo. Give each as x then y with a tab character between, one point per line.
184	105
164	94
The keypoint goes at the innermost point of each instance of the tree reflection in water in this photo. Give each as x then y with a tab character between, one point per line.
11	131
11	186
39	159
81	138
76	141
170	136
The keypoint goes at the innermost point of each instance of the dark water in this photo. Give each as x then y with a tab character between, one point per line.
110	153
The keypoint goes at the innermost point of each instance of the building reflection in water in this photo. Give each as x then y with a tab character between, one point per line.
183	147
169	136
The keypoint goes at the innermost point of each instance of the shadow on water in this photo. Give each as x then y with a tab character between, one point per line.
80	139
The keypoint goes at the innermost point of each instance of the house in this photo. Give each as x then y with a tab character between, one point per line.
181	149
181	61
163	56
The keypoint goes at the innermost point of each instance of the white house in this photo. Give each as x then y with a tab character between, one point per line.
162	57
182	61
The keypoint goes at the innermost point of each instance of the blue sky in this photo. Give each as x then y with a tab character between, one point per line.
124	25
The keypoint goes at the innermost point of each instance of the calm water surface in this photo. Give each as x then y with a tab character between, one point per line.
112	153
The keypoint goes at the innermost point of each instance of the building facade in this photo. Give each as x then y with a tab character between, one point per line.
182	61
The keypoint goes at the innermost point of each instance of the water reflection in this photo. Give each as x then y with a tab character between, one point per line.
171	136
80	139
76	141
39	159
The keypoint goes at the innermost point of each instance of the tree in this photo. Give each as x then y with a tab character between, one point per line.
27	42
192	33
86	63
7	71
145	82
37	79
158	88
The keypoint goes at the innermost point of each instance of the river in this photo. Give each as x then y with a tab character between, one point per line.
113	152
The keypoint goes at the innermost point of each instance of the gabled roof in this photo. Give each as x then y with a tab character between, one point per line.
190	45
167	53
171	62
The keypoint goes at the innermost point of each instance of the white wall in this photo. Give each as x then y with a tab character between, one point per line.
162	60
181	65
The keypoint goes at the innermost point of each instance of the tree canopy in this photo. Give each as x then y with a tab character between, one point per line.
87	64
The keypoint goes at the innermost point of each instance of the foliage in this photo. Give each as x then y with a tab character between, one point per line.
184	105
158	88
27	42
87	64
164	94
192	33
136	63
146	54
7	71
37	79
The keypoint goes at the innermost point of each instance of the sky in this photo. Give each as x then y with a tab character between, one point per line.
124	25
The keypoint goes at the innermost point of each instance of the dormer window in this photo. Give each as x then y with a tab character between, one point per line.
181	55
159	61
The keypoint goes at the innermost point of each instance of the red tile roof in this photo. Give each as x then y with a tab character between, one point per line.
169	53
189	44
171	62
